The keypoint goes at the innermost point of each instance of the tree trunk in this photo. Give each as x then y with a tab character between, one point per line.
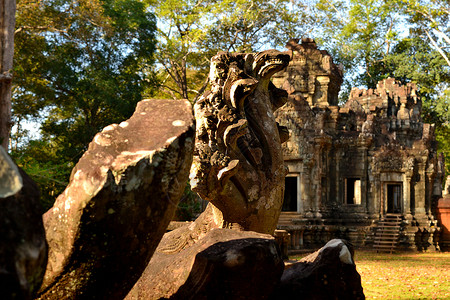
7	22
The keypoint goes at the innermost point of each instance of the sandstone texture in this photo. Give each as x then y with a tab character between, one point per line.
10	179
224	264
23	248
237	166
238	163
104	228
329	273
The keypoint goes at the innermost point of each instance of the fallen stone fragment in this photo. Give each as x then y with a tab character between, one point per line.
224	264
329	273
10	179
23	249
104	228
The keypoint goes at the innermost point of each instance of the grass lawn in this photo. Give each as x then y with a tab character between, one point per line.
404	275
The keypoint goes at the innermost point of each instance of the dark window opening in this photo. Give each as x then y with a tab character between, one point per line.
352	191
394	197
290	194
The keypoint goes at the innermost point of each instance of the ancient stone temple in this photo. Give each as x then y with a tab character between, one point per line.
359	169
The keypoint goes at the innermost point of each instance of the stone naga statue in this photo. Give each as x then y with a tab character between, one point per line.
238	167
238	164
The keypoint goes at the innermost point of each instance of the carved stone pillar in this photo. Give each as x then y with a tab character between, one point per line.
407	198
379	195
420	189
317	178
338	179
430	176
364	202
306	191
300	191
322	91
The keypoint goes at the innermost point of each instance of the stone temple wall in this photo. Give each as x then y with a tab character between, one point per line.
351	166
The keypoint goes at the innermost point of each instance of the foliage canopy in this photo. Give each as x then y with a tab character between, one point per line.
81	65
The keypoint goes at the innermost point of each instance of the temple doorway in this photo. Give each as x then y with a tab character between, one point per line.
394	198
352	191
290	194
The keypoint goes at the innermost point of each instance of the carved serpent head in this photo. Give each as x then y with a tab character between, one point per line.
238	165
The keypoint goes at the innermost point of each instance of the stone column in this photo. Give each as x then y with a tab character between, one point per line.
364	202
296	239
300	204
404	194
407	197
306	190
420	189
338	178
323	89
430	176
318	180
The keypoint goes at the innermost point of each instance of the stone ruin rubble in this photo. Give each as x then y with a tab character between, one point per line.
352	167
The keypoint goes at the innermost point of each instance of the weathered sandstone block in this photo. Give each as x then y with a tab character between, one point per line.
224	264
328	273
10	179
104	228
23	249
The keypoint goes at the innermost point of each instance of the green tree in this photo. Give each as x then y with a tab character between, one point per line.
81	67
431	18
359	34
414	59
190	32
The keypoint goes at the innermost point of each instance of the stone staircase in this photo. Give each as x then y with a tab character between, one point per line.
286	218
387	233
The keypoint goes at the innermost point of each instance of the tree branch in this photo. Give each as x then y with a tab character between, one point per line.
437	47
38	28
432	20
170	91
202	89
